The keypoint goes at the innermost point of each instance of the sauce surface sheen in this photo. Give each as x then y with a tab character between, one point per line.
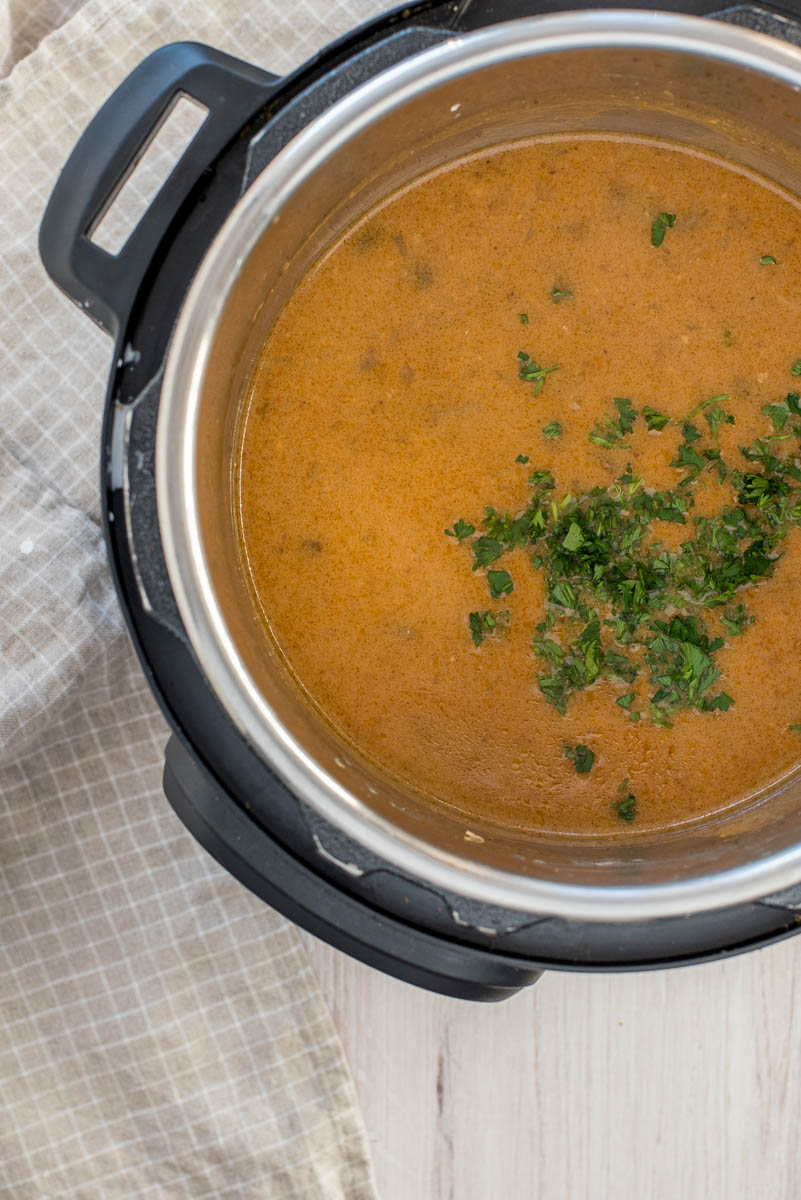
387	403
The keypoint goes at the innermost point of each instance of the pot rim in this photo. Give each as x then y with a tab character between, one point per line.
176	452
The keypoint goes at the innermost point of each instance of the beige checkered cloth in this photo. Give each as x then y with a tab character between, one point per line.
161	1032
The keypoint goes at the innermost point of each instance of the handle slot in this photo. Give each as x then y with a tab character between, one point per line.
159	156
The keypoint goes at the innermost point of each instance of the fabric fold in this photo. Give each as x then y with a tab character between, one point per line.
161	1031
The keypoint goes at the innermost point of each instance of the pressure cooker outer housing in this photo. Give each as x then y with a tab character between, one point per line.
396	96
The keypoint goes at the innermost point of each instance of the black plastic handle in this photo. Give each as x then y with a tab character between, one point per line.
103	284
257	860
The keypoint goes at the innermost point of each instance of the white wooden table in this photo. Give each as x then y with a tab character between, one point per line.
674	1085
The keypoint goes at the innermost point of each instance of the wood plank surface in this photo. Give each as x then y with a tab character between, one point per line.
671	1085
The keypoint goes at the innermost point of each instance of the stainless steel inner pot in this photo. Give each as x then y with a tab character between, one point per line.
703	83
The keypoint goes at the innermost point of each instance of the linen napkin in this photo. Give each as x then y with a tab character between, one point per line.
161	1031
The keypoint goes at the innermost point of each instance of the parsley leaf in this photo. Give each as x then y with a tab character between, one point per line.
736	620
767	260
654	419
581	757
627	414
522	458
795	369
523	318
485	551
559	294
663	222
482	624
612	433
626	806
552	430
779	415
574	538
531	372
687	458
500	583
461	530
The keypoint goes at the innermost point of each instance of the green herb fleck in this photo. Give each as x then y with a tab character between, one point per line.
531	372
767	260
522	458
716	416
721	701
625	701
485	551
795	728
523	318
663	222
581	757
779	415
736	620
552	430
611	434
461	530
654	419
627	414
500	583
482	624
795	369
728	337
574	537
559	294
626	806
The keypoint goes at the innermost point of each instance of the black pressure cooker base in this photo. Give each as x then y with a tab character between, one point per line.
225	795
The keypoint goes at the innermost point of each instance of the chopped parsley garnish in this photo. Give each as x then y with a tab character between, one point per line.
663	222
482	624
714	414
736	620
523	318
461	529
581	757
620	607
654	419
795	369
611	434
767	260
779	415
626	806
552	430
627	414
559	294
532	372
485	551
728	337
574	538
500	583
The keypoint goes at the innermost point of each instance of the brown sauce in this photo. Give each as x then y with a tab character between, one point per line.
386	404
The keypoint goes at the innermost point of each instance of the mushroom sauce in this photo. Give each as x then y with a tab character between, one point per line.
519	485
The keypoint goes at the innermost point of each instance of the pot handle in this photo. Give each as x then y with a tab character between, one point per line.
104	284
